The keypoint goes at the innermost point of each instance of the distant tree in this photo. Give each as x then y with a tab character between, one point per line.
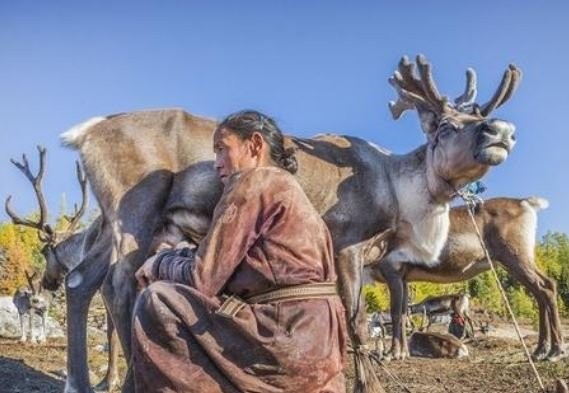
21	250
552	256
376	297
18	253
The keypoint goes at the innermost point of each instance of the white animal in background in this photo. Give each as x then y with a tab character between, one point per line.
30	301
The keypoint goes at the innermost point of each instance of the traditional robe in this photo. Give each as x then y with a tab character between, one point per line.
265	235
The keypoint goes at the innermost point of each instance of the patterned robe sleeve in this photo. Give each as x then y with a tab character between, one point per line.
247	208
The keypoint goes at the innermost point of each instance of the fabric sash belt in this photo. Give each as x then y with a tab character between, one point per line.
232	304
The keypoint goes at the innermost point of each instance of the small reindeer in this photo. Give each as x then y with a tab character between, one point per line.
377	332
29	301
436	345
456	304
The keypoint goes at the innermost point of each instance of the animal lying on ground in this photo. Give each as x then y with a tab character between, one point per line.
32	300
436	345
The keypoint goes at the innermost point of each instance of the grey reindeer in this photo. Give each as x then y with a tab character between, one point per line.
150	166
29	301
63	252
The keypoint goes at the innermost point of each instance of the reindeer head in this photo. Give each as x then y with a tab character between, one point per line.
53	274
463	141
39	299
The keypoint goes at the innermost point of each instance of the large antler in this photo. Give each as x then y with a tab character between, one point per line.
416	91
510	81
468	98
78	213
45	232
422	93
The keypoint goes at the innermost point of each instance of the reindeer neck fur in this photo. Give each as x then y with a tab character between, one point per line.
423	221
69	251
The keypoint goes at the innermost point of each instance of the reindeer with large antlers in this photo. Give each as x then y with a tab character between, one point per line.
454	126
63	253
147	168
45	232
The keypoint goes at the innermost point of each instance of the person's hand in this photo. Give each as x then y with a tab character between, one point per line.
145	275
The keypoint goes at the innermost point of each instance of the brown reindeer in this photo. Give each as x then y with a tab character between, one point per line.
436	345
508	226
154	166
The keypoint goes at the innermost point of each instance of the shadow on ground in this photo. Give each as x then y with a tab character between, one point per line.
17	377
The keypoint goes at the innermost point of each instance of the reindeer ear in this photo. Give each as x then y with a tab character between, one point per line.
429	121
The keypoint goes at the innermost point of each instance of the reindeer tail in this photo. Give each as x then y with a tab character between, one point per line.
536	203
75	136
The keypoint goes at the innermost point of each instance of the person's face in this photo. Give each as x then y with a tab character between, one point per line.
233	154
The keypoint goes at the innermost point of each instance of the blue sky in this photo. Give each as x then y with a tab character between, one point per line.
316	66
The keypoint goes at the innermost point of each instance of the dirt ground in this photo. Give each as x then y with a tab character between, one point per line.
496	364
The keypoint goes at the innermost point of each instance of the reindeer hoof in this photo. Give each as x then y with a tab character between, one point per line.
539	354
106	386
394	354
555	355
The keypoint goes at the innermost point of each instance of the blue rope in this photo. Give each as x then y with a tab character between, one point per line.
470	193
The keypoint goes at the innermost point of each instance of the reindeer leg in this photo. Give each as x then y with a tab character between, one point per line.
119	292
31	326
80	286
132	231
23	336
381	343
111	379
42	338
553	322
349	266
78	300
544	339
470	333
404	305
525	272
350	283
394	281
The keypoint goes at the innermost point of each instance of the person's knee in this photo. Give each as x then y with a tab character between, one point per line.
149	301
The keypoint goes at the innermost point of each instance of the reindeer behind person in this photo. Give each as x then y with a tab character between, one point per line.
63	253
30	301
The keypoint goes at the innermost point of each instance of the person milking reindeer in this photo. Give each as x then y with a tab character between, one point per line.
255	307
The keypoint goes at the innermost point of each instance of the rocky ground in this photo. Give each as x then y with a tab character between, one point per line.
496	364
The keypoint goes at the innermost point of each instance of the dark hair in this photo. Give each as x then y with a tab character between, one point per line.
245	123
